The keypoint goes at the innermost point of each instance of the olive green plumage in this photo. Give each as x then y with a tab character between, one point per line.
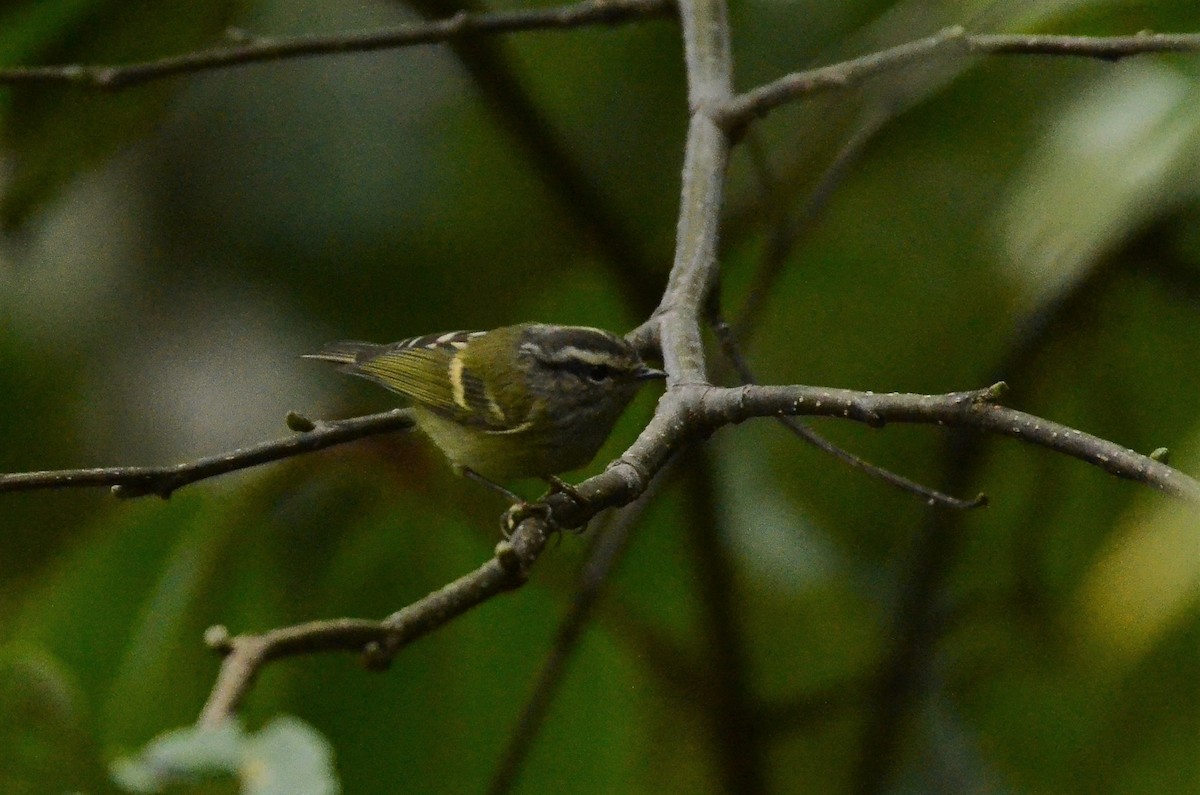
530	400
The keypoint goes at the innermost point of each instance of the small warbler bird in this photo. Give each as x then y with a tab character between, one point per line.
529	400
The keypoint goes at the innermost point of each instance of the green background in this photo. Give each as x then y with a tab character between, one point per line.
170	250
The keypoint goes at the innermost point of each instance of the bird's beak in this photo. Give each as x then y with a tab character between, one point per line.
649	374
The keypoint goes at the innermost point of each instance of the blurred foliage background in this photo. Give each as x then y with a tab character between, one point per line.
780	623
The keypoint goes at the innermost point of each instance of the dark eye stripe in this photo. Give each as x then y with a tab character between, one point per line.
599	372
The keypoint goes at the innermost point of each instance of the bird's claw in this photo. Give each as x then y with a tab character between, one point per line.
519	512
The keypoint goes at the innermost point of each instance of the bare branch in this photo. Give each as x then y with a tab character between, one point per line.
690	411
687	412
975	409
262	49
729	346
245	655
952	42
1107	48
378	641
918	617
675	325
705	409
135	481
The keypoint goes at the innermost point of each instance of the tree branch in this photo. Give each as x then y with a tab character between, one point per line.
135	481
675	325
729	346
974	409
691	411
378	641
918	617
951	42
691	408
686	412
262	49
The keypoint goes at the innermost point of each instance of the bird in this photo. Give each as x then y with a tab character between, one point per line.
525	400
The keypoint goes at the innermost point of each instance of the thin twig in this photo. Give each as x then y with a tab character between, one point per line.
138	481
692	408
732	351
245	655
689	411
261	49
1107	48
976	409
953	41
378	641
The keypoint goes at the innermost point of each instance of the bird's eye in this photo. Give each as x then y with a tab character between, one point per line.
599	372
593	372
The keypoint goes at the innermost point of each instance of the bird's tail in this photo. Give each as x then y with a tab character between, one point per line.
348	352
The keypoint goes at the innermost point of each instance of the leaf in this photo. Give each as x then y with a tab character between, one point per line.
286	757
181	755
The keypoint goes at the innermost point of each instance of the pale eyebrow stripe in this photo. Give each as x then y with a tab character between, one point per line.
572	353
